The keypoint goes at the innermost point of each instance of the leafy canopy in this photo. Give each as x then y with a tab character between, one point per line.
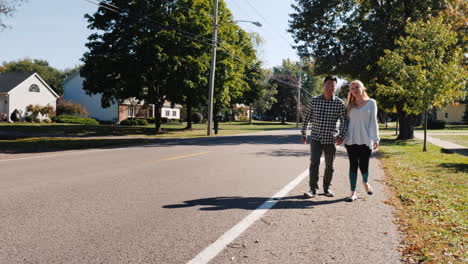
424	70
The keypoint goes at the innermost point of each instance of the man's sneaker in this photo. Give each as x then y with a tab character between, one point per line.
310	194
329	194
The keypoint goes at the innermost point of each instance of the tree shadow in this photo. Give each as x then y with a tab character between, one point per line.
455	167
250	203
463	152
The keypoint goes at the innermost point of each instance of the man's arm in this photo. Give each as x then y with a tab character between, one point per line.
343	125
305	123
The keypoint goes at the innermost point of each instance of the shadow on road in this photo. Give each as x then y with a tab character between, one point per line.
59	144
251	203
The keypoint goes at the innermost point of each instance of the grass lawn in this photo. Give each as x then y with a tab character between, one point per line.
457	139
27	137
431	195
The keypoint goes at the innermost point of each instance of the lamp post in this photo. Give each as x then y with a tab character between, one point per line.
298	110
213	65
212	70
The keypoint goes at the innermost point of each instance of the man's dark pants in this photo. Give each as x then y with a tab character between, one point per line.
316	149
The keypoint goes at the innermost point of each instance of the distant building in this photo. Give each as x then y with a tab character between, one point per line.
73	91
20	89
451	114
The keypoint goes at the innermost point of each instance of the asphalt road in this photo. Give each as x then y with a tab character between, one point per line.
168	203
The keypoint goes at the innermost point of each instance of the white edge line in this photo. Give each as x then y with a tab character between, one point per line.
219	245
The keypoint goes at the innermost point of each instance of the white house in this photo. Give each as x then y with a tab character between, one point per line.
20	89
73	91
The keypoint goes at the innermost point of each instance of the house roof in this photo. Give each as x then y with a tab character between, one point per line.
10	80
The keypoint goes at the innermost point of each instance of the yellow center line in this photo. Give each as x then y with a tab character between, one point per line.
184	156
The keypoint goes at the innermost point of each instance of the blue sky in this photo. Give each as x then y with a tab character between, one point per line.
56	31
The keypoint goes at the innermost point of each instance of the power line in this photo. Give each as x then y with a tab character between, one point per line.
266	21
116	9
180	32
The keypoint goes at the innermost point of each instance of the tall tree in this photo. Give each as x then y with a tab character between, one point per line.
424	71
236	63
348	37
7	8
267	96
286	102
135	52
51	75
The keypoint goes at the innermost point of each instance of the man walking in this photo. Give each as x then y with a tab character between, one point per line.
323	112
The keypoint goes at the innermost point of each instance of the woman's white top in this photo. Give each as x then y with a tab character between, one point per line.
362	126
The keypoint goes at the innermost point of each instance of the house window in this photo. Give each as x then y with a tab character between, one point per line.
131	111
34	88
446	115
168	113
174	113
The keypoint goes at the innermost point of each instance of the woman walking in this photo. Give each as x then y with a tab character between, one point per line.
362	135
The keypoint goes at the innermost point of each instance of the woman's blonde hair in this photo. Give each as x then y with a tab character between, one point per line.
351	99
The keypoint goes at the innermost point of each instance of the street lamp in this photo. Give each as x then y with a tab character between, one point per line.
213	65
256	23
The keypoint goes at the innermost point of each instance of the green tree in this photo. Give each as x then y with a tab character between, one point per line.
424	70
348	37
52	76
137	52
236	64
266	97
67	72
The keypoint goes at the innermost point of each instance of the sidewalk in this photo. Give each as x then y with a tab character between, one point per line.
449	146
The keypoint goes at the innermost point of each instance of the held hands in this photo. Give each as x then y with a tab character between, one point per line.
376	146
304	139
338	141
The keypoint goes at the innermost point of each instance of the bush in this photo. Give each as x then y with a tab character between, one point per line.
436	124
151	120
16	115
197	117
29	119
65	107
142	122
76	120
134	122
128	122
164	120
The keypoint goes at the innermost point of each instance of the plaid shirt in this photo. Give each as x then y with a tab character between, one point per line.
324	115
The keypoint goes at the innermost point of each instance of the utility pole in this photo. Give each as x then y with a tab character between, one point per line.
213	68
298	113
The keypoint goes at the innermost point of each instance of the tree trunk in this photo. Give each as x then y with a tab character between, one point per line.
406	123
189	114
396	125
425	132
157	118
250	114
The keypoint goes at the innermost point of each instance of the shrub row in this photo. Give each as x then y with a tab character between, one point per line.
134	122
76	120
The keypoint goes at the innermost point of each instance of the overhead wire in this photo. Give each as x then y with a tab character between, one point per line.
180	32
266	21
116	9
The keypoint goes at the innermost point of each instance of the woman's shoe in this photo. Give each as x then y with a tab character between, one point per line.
368	188
352	198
